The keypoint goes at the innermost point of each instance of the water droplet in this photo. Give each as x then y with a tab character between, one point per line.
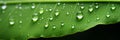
97	18
79	16
67	13
107	15
78	3
11	22
62	24
33	5
73	27
46	25
54	27
35	17
82	7
51	18
20	21
4	6
19	6
50	9
41	11
58	3
57	13
90	9
113	8
97	6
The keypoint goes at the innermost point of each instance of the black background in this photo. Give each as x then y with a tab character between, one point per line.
100	32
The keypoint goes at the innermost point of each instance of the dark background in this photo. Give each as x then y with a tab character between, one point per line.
100	32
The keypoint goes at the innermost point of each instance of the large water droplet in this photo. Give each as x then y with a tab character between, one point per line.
90	9
35	17
4	6
56	13
41	11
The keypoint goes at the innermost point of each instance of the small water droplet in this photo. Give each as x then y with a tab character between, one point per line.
54	27
19	6
57	13
73	27
41	11
79	16
33	5
67	13
35	17
113	8
62	24
46	25
107	15
51	18
82	7
90	9
20	21
50	9
58	3
11	22
97	18
4	6
97	6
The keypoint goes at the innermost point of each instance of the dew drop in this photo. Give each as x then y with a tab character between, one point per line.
20	21
67	13
57	13
97	6
62	24
97	18
51	18
4	6
33	6
41	11
90	9
11	22
82	7
35	17
50	9
19	6
107	15
46	25
54	27
79	15
58	3
73	27
113	8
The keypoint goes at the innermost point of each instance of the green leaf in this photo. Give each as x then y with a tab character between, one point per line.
21	21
